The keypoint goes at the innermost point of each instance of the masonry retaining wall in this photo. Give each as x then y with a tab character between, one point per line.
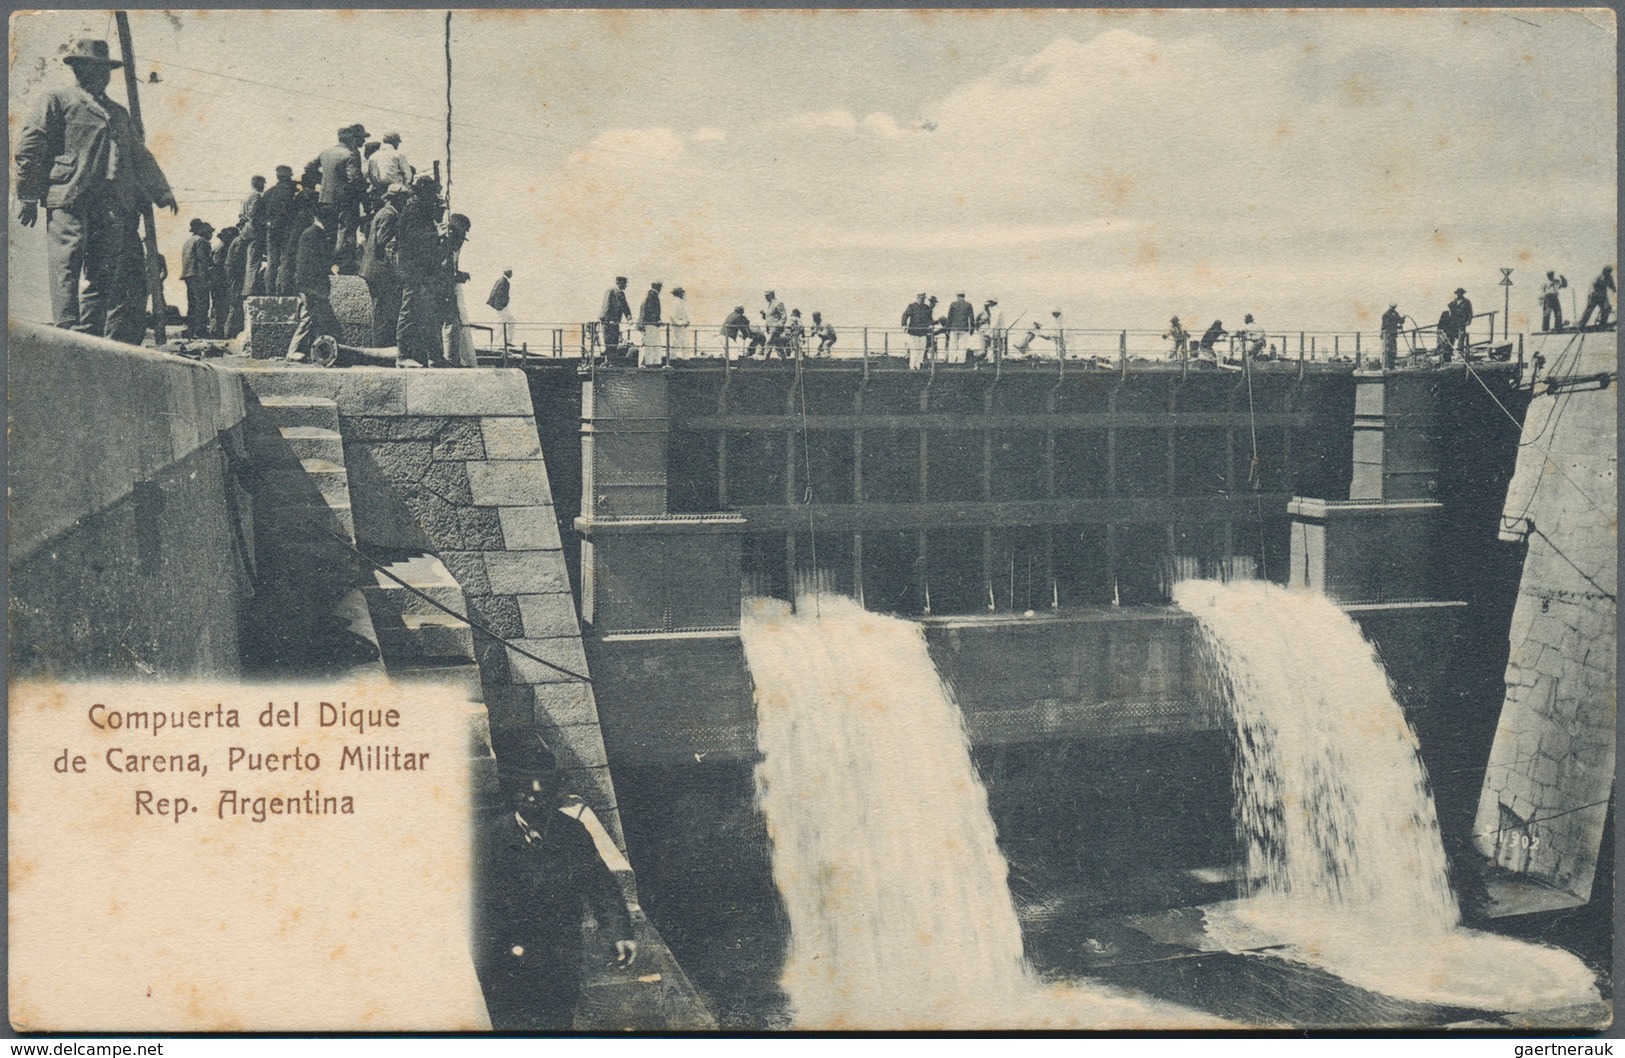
127	549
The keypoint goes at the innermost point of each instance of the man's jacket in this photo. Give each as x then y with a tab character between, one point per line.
75	144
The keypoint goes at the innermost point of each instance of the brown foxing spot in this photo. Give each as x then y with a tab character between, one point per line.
19	871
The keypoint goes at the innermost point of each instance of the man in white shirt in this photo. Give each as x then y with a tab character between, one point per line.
388	165
677	322
990	324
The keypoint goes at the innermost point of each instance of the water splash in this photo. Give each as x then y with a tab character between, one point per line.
883	848
1344	858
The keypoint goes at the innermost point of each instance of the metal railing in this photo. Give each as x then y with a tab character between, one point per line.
665	343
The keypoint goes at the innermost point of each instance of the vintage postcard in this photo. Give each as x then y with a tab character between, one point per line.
802	520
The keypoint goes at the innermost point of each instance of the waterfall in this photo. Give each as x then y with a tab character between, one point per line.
883	849
1345	864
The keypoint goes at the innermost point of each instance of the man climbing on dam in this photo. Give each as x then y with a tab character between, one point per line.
536	870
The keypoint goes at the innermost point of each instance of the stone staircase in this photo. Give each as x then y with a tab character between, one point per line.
310	614
419	640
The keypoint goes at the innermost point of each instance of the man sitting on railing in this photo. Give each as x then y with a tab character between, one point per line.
737	328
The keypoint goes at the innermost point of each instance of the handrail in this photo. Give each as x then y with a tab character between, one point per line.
1119	348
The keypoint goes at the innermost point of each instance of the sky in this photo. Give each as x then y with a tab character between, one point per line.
1304	166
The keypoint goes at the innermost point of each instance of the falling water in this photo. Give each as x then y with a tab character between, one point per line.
883	849
1334	810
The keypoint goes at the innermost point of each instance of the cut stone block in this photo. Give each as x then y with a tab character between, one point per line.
549	615
526	572
530	528
511	438
471	392
509	483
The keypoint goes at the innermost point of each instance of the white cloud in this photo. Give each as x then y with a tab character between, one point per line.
883	125
844	120
630	146
708	134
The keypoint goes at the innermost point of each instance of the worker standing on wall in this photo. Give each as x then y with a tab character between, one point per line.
1390	335
79	157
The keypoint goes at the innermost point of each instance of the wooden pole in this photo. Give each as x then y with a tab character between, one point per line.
155	279
447	191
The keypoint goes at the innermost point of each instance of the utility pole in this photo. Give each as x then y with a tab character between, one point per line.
155	279
447	190
1506	303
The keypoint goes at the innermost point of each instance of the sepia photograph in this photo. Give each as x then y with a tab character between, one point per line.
574	521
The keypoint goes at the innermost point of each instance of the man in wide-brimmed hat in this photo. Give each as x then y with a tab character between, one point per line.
536	865
344	185
378	265
197	262
79	156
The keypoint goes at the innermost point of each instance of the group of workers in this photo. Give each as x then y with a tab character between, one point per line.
1551	301
358	208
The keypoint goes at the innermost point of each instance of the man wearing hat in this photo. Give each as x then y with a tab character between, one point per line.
1181	338
417	256
1461	318
80	158
305	201
651	345
237	271
344	184
1597	301
1390	335
499	299
272	215
614	309
959	322
916	326
456	346
224	289
536	870
775	319
1551	302
737	328
313	280
388	165
378	265
196	263
678	323
991	326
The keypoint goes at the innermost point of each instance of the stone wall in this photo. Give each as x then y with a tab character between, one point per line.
1551	771
128	552
449	462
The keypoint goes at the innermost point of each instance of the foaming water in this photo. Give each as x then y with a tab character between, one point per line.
1335	812
883	849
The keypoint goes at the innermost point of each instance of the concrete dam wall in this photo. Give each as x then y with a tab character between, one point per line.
1035	520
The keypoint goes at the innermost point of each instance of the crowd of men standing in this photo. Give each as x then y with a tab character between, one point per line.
357	208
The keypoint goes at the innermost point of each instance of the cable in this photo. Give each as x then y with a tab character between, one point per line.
1542	819
806	459
470	622
1549	461
1536	530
